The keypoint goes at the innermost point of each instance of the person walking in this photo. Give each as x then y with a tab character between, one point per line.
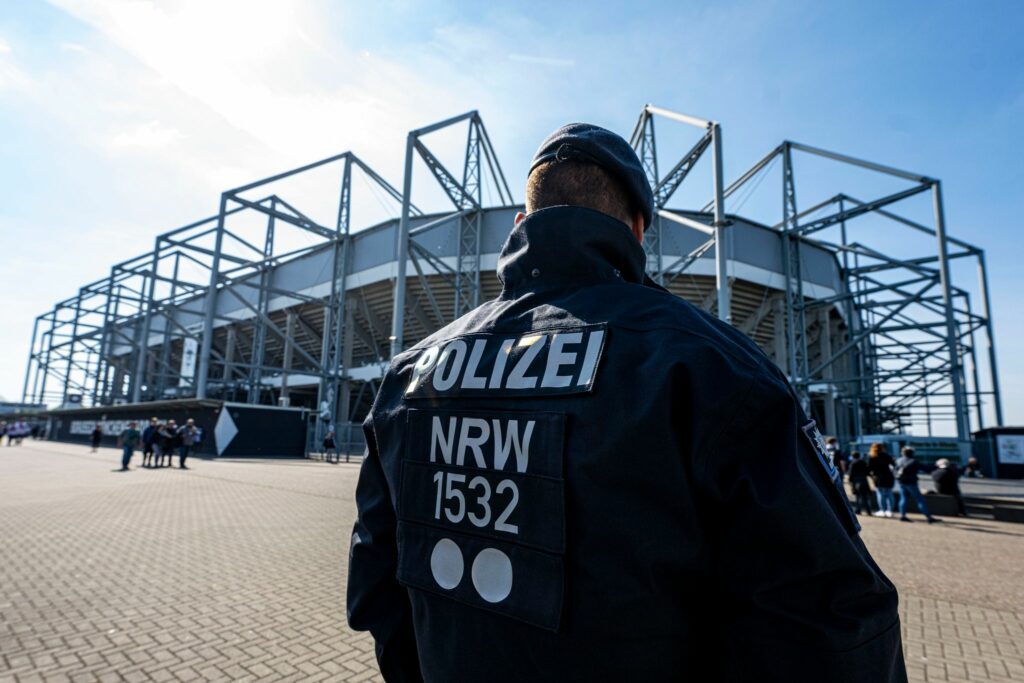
150	435
331	446
858	475
187	437
880	465
836	453
973	469
128	440
947	483
589	478
907	469
95	437
168	436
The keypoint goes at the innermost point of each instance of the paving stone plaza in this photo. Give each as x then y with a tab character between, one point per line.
235	570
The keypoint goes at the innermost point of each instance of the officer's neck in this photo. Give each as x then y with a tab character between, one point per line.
567	246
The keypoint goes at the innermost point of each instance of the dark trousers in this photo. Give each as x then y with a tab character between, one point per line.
183	455
147	454
960	507
862	495
908	491
126	456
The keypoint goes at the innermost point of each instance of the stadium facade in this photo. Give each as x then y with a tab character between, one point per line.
236	307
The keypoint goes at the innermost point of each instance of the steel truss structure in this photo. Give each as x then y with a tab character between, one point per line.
261	303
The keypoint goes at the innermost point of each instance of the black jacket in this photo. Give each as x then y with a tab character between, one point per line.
881	470
858	469
946	480
906	470
590	479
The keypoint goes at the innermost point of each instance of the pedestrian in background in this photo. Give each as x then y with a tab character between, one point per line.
330	446
149	439
858	475
838	457
95	437
168	436
128	440
973	469
907	469
187	436
880	465
946	477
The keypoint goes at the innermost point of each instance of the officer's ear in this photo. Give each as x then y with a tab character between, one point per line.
519	217
637	226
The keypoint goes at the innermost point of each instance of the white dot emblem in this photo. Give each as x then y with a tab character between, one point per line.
492	575
446	564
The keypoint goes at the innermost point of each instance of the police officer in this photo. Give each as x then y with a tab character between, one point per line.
588	478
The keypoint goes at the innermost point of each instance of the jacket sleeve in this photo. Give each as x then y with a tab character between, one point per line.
376	601
798	595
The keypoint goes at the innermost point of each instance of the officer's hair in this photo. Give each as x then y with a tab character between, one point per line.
574	183
908	451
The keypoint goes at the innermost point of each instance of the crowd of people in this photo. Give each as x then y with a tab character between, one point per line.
158	441
877	479
17	431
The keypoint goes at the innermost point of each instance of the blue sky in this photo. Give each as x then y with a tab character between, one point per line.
119	120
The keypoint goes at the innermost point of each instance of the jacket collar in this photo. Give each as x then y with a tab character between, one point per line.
569	246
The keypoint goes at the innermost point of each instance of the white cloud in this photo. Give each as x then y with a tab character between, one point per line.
5	47
74	47
152	135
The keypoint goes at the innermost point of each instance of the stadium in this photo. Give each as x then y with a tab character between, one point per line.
270	302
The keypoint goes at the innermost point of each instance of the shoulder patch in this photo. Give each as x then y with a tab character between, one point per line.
813	435
825	457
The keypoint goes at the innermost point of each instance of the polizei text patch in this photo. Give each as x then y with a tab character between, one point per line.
538	362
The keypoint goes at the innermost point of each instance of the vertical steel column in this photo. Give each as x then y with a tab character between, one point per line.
259	337
779	333
467	270
721	235
990	338
99	386
331	353
71	347
165	345
853	360
827	373
39	381
648	153
31	358
227	376
140	362
952	336
928	410
344	394
206	345
105	349
289	350
976	384
402	255
796	337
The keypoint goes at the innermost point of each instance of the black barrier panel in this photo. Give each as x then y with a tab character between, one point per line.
262	431
227	429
